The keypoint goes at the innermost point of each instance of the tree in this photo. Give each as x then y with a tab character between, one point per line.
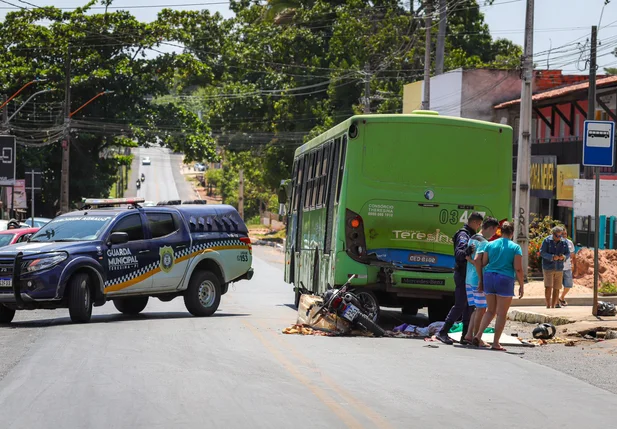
288	70
108	52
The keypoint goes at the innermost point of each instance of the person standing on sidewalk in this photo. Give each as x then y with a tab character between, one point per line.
568	269
461	252
554	252
475	298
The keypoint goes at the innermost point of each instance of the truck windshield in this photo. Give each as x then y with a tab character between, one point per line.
73	228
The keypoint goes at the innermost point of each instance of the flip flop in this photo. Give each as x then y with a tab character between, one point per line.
499	349
563	302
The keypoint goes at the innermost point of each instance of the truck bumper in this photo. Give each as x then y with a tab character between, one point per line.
246	276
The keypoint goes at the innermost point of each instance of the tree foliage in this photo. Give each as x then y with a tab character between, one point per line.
258	84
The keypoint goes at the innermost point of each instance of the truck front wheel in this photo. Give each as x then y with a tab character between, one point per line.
203	296
80	298
6	314
131	306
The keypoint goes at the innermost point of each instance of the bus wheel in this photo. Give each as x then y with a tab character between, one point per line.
370	303
438	309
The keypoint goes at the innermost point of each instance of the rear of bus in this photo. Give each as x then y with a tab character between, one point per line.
411	183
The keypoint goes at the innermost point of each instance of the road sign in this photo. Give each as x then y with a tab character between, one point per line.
599	144
33	174
8	150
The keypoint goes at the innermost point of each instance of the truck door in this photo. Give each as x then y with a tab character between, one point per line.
168	240
128	265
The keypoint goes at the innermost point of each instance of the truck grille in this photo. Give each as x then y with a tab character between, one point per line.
6	268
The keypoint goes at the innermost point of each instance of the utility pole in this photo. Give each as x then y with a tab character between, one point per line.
591	100
523	161
426	102
241	193
66	142
367	88
441	38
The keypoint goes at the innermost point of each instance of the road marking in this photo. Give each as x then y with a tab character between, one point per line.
359	405
321	394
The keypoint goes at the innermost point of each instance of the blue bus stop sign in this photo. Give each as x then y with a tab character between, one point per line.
599	144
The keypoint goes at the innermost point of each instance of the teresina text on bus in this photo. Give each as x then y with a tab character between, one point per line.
431	237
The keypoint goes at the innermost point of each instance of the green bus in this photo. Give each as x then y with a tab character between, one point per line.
381	196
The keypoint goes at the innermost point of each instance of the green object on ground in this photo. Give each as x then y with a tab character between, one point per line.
458	327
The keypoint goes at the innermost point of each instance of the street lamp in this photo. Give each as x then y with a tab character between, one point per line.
91	100
20	90
26	102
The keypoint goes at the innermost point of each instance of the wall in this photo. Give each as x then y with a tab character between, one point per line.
446	92
412	97
484	88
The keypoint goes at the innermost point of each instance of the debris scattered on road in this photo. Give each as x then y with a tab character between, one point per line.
570	343
299	329
554	340
610	335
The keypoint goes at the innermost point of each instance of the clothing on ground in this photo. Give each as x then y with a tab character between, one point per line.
501	255
551	248
458	327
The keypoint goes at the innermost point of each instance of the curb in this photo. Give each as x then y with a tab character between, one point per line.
572	301
528	317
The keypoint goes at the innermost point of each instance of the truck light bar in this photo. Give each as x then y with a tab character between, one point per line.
106	201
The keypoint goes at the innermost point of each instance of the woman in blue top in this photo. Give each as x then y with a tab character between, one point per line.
503	261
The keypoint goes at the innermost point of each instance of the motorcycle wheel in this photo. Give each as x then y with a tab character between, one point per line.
369	302
366	323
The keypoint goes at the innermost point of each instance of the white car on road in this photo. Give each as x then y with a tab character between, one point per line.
145	160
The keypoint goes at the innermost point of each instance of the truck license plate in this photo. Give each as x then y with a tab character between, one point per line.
351	312
6	283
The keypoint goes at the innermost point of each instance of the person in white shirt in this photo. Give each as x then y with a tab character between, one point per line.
568	269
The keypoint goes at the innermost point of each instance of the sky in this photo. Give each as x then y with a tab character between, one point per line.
561	27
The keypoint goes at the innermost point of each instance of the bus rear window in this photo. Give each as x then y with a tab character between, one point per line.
428	155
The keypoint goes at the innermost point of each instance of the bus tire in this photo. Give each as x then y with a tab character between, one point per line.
203	296
131	306
409	311
6	314
369	302
438	309
80	298
365	322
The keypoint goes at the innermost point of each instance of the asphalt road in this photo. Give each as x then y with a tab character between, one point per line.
166	369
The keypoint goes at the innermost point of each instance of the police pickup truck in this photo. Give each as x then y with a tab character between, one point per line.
86	258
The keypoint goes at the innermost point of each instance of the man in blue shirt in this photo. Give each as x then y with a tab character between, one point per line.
461	252
554	252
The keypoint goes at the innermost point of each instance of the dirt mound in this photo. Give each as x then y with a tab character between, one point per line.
607	261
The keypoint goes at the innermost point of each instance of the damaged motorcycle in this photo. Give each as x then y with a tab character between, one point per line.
345	303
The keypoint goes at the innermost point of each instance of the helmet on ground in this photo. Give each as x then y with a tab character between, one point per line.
544	331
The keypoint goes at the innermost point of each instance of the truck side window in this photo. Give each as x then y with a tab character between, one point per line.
132	226
161	224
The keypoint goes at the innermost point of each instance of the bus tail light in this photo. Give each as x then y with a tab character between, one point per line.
354	235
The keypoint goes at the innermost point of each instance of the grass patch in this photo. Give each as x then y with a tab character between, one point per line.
608	288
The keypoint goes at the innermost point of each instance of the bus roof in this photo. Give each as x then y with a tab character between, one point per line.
425	116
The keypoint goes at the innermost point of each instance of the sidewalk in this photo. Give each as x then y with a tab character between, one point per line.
578	295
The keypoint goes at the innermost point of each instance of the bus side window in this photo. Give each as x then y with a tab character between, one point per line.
323	175
317	178
294	184
309	180
341	168
299	183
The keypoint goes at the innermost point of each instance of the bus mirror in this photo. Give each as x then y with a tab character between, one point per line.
282	194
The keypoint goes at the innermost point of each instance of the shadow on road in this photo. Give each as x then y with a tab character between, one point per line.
111	318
